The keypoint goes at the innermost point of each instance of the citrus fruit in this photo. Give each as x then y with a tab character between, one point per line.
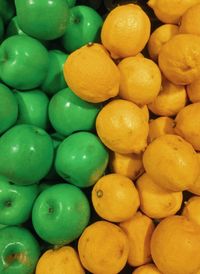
115	198
157	202
147	269
193	91
191	209
171	162
139	230
188	124
190	20
62	260
159	37
195	188
175	245
129	165
125	31
160	126
169	11
140	80
179	59
122	126
170	100
103	248
91	74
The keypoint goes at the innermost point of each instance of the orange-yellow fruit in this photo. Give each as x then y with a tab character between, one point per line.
157	202
170	11
193	91
159	37
103	248
171	162
129	165
115	198
175	246
147	269
160	126
179	59
139	230
91	74
64	260
125	31
188	124
190	20
140	80
170	100
191	209
122	127
195	188
145	110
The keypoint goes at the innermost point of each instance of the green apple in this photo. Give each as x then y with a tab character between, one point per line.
45	20
16	202
13	28
60	214
57	139
33	108
26	154
1	29
24	62
54	80
71	3
84	26
7	10
19	251
81	159
69	113
8	108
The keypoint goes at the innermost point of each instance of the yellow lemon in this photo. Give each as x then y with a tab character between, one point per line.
171	162
179	59
91	73
140	80
160	126
103	248
159	37
175	246
139	230
188	124
122	126
125	31
191	209
170	100
155	201
170	11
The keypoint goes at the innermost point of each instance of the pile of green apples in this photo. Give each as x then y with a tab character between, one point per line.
49	152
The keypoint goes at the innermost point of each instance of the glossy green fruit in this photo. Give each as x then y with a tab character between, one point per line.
1	29
26	154
8	108
7	10
33	108
81	159
24	62
16	202
57	139
19	251
84	26
71	3
13	28
60	214
69	113
41	19
54	80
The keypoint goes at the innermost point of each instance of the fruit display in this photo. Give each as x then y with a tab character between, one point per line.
99	137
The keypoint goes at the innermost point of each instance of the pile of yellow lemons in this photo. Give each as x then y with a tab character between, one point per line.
150	122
